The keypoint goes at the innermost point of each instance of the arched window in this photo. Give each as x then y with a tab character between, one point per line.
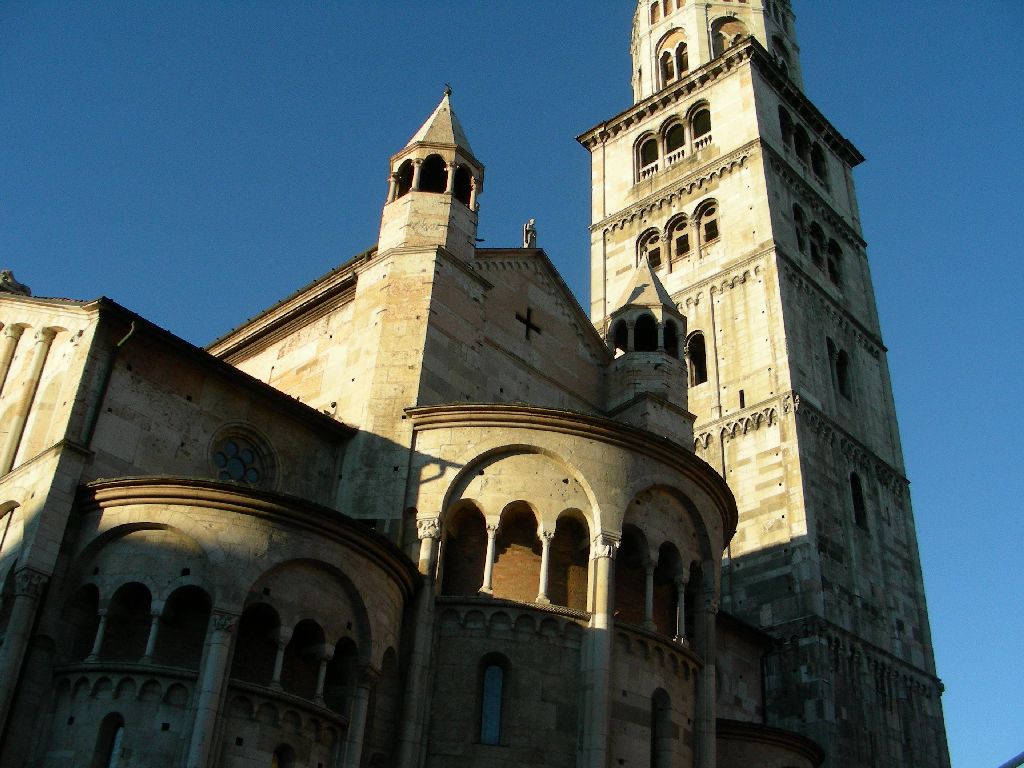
655	12
630	576
649	247
679	238
675	143
682	59
620	337
707	222
107	753
817	245
781	54
647	157
465	549
696	353
570	557
800	225
517	554
80	617
835	260
182	631
786	126
860	515
492	692
725	33
671	339
818	164
128	624
404	178
434	174
661	730
801	144
843	374
302	656
666	594
340	678
645	334
463	185
256	645
668	67
700	128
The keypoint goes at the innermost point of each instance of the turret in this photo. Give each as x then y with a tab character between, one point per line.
647	378
674	37
434	185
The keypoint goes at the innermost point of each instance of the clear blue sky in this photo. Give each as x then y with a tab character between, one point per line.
197	161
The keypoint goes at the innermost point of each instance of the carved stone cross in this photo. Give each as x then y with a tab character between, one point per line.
528	322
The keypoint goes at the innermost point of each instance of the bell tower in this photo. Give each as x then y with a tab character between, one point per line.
433	188
738	193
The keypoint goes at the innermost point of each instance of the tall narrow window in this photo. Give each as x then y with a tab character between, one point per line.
647	158
700	128
661	730
679	238
434	174
108	743
786	126
860	515
800	225
675	140
818	164
682	59
817	245
620	337
801	144
707	219
697	354
668	67
843	374
835	258
671	339
645	334
491	691
649	247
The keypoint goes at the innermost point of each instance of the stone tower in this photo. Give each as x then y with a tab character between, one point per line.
725	178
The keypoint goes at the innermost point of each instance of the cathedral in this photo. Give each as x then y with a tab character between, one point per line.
428	511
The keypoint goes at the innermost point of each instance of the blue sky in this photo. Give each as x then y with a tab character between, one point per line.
197	161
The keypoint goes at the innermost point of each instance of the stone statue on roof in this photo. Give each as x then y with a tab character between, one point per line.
9	285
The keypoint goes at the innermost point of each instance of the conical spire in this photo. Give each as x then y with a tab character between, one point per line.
442	127
646	289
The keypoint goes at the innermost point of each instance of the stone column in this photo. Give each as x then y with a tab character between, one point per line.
283	636
357	719
154	630
629	337
29	585
681	581
417	170
661	336
326	654
212	681
429	532
23	403
416	701
492	532
597	678
546	538
450	187
474	190
704	724
649	596
12	333
97	641
392	187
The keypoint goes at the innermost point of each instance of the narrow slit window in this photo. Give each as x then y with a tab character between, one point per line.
490	704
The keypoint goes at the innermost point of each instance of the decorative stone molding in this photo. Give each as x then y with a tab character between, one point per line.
28	582
604	545
677	192
428	528
224	621
839	317
737	275
750	420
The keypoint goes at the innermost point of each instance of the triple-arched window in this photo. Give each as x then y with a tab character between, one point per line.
680	235
824	252
808	152
654	152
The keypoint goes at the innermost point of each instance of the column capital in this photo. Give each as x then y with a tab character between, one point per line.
13	331
546	536
492	529
224	621
417	161
428	528
29	582
45	335
604	545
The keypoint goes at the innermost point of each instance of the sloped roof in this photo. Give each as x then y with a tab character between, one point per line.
442	127
646	290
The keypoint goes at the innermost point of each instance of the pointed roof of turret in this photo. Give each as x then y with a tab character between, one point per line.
646	289
442	127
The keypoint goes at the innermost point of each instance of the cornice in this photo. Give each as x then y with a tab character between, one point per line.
590	427
307	304
763	414
694	83
683	188
841	639
266	505
840	316
853	449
